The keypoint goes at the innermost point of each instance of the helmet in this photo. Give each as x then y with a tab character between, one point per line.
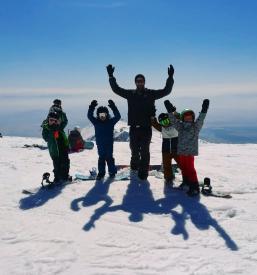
187	111
77	128
53	114
164	119
162	116
102	109
57	102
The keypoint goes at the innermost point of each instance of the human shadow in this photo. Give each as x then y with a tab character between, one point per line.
192	210
98	193
42	196
139	200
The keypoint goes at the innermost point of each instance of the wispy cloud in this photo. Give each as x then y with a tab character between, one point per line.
214	89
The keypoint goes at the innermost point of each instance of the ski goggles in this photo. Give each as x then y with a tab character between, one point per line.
165	122
102	115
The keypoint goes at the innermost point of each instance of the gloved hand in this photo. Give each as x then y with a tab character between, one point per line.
205	106
110	70
93	104
170	108
111	104
170	71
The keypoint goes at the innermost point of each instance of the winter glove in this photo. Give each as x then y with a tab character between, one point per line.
170	108
93	104
170	71
205	106
111	104
110	70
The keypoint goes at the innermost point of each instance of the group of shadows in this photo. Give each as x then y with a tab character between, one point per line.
137	201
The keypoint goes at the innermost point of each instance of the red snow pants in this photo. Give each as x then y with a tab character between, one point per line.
186	164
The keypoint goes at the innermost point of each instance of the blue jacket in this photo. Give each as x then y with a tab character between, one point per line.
104	130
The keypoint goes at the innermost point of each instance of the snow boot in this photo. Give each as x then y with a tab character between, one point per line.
112	175
194	189
99	176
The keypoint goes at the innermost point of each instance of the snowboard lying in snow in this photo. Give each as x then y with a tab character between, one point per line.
205	190
46	184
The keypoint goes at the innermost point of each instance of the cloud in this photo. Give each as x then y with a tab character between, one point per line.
214	89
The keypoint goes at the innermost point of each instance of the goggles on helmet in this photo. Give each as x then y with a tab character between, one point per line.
165	122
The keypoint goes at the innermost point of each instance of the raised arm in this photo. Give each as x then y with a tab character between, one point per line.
199	121
171	109
115	110
115	87
90	113
168	87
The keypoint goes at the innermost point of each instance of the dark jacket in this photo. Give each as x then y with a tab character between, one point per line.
141	103
104	129
76	142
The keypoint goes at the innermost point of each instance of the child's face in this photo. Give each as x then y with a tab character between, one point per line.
188	118
102	116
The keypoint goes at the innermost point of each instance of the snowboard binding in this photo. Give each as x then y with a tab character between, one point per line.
45	179
206	187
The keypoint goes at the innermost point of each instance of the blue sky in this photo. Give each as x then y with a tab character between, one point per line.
59	48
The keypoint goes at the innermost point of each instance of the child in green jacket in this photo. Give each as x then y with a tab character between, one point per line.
58	146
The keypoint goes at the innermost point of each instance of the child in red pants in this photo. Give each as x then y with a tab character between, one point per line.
188	134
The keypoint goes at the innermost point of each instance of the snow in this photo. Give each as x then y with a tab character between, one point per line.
127	227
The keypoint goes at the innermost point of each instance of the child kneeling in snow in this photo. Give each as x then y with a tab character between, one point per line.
104	126
76	142
169	144
188	134
58	146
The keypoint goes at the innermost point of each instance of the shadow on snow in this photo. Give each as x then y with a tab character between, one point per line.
41	197
139	200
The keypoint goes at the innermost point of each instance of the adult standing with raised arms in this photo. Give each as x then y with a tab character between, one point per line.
140	110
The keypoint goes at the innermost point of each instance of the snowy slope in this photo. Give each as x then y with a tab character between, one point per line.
126	227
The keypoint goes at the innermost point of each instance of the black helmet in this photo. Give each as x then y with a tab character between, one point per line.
53	114
57	102
164	119
102	109
162	116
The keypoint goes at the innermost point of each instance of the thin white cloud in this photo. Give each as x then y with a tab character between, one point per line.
212	89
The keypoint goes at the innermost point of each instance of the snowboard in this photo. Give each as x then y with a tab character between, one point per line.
152	167
205	190
46	184
121	175
88	144
31	191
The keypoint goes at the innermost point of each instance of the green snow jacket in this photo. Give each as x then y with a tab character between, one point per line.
52	143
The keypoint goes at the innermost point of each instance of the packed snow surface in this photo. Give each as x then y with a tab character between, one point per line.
127	227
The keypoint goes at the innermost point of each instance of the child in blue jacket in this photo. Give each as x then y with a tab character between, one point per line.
104	126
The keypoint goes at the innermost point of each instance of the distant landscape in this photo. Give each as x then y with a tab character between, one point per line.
237	135
29	126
